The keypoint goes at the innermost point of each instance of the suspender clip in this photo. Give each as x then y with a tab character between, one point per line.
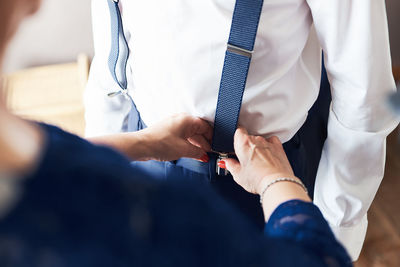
220	171
119	92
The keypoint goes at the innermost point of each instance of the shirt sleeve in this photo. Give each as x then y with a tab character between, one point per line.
103	115
302	223
354	37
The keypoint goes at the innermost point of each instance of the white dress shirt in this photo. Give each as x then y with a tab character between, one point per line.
177	55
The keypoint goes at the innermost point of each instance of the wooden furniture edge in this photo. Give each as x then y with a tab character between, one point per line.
396	73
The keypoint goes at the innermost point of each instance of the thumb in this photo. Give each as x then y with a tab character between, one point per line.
233	166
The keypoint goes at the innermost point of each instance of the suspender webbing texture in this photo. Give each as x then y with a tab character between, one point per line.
242	37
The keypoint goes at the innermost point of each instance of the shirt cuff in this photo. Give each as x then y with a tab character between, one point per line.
352	238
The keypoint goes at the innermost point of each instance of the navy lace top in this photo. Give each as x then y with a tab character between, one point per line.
86	206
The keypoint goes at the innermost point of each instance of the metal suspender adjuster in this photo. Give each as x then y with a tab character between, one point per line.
220	171
119	92
238	50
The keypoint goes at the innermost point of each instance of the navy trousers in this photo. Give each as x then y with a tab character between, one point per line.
303	151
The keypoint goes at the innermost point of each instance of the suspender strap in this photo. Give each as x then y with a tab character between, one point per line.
117	61
119	52
240	47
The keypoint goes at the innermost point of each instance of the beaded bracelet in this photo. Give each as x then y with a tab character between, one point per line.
283	179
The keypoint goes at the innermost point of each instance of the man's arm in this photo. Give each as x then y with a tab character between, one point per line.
354	37
104	115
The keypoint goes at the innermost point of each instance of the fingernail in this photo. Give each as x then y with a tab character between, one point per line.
205	158
222	164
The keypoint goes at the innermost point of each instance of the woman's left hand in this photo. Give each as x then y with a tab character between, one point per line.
176	137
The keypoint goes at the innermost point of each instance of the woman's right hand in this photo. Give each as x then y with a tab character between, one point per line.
260	161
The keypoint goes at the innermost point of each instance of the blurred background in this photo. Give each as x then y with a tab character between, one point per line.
393	9
44	55
57	34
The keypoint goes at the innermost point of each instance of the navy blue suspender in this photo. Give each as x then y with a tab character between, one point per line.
234	75
240	47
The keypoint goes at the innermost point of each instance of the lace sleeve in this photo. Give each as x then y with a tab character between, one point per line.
303	223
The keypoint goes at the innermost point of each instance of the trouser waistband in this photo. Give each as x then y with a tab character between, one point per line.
208	169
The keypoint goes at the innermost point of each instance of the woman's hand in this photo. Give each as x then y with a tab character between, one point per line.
178	136
260	161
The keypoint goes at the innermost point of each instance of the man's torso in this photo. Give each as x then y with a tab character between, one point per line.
177	54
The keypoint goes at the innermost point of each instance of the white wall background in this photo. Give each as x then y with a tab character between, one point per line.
62	29
58	33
